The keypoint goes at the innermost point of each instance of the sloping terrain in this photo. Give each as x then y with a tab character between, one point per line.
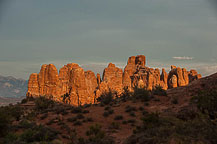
139	117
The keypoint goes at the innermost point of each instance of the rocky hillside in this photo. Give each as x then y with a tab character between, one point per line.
185	114
76	86
11	87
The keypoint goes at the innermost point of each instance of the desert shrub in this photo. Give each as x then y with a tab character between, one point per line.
85	111
187	114
144	112
111	111
76	110
126	94
42	103
7	115
87	105
25	124
124	122
77	123
4	123
108	111
118	117
61	110
151	119
107	108
38	134
130	108
132	114
31	116
146	104
89	119
141	108
65	127
31	133
132	121
206	102
60	123
114	125
80	116
142	94
97	136
24	101
10	138
107	97
106	114
13	111
66	98
175	100
158	90
84	120
30	99
157	129
72	119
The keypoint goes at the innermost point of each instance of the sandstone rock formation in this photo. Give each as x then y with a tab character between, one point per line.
112	76
78	87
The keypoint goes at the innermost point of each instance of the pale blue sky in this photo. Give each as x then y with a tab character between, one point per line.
95	32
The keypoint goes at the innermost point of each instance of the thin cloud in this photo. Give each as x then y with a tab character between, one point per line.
183	58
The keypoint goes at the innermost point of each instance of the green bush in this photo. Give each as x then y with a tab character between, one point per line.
38	134
175	100
42	103
80	116
124	122
31	116
72	119
77	123
158	90
24	101
118	117
106	114
76	110
129	108
144	112
114	125
141	108
206	102
126	94
132	121
85	111
13	111
89	119
25	124
141	94
107	97
111	111
157	129
4	123
132	114
97	136
107	108
11	138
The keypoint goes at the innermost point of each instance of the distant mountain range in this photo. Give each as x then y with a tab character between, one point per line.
11	87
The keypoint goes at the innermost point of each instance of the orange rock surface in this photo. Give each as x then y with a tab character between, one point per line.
85	87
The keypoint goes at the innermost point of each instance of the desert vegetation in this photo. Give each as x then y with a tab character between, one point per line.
46	121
